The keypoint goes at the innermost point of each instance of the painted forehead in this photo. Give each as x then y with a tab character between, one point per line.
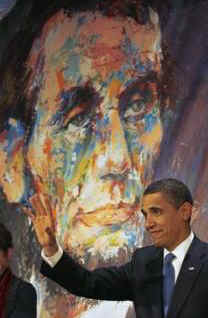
92	47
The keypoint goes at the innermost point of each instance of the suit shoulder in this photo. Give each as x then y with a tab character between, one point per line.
145	252
200	244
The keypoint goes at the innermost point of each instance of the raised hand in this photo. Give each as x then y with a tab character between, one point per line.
42	215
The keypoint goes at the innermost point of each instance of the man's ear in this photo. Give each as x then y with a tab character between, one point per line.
186	211
12	161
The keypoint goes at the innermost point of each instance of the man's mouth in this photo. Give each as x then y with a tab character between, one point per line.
155	233
108	215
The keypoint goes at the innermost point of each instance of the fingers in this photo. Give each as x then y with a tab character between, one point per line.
42	204
46	200
37	204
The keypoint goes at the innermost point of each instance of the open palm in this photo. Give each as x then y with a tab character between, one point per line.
42	215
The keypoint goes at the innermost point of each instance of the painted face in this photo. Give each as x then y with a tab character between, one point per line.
97	126
166	224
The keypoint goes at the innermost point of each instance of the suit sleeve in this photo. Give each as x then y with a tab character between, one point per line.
111	283
26	302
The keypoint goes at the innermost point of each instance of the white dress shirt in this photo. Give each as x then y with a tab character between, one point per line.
180	253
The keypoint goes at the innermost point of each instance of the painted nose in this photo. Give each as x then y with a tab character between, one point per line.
117	158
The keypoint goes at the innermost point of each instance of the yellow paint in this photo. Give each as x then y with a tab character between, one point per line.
79	172
13	181
90	241
152	138
116	239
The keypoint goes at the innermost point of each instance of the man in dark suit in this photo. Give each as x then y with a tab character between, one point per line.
17	297
167	279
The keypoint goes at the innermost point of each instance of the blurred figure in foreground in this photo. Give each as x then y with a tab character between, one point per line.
17	297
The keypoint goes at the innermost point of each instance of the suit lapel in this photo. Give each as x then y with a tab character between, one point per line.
154	283
188	274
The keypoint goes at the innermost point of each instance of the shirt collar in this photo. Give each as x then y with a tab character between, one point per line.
181	250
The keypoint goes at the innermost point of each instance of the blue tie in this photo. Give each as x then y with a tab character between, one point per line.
168	281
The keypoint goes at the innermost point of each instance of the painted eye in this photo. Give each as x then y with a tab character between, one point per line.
82	119
78	106
135	110
137	105
136	101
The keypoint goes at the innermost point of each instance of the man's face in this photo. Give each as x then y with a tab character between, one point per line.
97	126
166	224
4	261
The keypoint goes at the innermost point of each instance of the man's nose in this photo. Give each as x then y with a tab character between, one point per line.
149	222
116	157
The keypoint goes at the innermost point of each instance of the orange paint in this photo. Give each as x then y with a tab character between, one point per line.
47	146
60	79
114	88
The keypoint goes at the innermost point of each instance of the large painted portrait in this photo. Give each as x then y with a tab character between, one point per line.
96	102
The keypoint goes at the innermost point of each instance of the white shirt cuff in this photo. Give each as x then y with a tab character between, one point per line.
52	260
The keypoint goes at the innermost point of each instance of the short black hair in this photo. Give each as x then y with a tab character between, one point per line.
175	190
5	238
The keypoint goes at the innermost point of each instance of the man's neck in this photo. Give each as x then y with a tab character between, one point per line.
180	241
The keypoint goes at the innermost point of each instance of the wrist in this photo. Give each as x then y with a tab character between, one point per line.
50	250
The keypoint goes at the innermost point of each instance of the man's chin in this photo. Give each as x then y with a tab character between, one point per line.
158	243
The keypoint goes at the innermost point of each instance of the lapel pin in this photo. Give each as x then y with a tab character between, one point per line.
191	268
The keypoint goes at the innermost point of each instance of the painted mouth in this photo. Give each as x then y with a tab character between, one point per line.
108	215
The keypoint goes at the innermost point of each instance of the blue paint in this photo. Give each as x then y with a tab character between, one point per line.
131	236
6	6
14	133
82	20
150	121
132	140
141	67
69	45
128	48
73	68
115	227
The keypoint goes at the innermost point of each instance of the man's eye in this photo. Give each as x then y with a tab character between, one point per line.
157	211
